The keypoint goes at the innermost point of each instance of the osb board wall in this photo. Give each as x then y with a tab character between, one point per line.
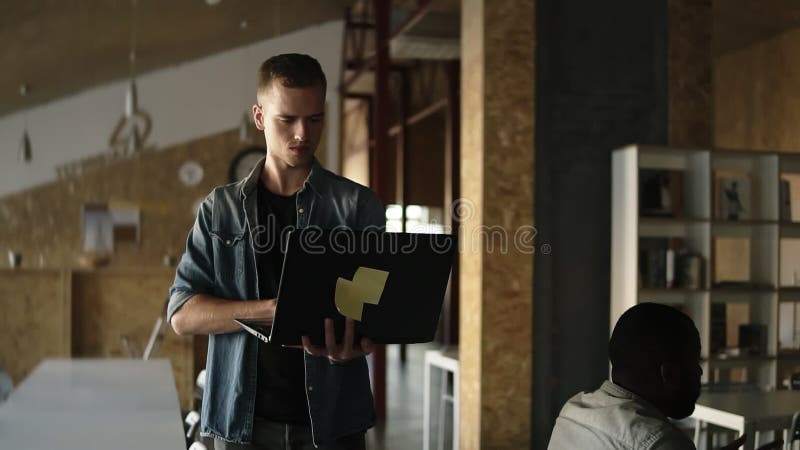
44	223
110	304
34	319
757	96
689	72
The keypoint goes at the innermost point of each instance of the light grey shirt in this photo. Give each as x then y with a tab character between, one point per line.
614	418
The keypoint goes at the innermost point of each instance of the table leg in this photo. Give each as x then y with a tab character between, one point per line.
455	410
749	430
426	407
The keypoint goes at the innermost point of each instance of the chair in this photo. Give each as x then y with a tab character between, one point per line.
793	432
6	385
190	423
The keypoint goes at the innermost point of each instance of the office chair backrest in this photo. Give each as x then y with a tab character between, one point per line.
794	431
6	385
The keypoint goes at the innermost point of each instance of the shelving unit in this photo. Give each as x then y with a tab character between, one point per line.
771	240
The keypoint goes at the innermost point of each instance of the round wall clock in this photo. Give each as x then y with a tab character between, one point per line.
244	161
190	173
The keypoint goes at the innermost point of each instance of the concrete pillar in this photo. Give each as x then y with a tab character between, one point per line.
496	259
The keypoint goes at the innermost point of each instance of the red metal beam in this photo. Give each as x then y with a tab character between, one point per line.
366	61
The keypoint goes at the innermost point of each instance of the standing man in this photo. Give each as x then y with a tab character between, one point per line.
262	396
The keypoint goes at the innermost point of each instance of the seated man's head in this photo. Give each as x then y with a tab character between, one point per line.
655	353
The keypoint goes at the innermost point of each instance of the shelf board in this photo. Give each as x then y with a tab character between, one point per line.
743	290
655	290
656	220
740	359
743	223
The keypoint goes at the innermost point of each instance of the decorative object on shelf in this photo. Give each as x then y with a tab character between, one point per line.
731	260
190	173
244	161
790	197
133	128
753	339
733	196
790	262
661	192
25	153
14	259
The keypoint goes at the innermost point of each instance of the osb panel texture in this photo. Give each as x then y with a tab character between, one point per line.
471	262
757	96
107	305
33	319
508	203
44	223
497	177
689	70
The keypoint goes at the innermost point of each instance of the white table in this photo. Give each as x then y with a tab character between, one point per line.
94	404
747	412
447	361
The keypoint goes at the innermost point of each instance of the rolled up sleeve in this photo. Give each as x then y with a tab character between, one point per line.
195	272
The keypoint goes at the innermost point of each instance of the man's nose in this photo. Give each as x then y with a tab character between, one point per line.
301	129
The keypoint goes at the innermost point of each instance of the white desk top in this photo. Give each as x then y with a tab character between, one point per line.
753	405
94	403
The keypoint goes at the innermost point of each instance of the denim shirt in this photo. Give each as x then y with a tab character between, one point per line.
612	417
220	260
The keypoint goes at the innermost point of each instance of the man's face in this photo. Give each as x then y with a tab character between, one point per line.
686	388
292	120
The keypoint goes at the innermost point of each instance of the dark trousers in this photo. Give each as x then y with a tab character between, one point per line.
269	435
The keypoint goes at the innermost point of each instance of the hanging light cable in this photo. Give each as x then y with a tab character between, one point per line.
25	154
131	97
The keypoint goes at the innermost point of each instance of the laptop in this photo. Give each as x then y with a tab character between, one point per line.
391	284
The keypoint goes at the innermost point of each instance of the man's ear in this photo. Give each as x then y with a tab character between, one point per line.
670	374
258	116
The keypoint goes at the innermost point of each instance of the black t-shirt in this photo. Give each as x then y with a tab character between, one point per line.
280	392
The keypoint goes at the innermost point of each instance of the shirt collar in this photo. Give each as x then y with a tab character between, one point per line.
314	179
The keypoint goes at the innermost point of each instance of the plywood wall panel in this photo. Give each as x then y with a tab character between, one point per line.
34	317
110	304
757	95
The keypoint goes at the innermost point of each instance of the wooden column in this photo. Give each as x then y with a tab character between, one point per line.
497	175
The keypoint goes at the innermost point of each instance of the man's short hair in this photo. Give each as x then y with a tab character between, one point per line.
292	70
649	334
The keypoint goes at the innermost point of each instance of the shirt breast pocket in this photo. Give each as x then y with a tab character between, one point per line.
228	261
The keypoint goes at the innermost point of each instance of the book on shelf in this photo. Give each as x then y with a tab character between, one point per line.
726	322
732	193
661	193
667	263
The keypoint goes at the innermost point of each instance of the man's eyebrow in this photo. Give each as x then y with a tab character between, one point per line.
287	116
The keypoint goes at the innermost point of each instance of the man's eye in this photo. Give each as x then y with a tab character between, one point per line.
285	119
316	119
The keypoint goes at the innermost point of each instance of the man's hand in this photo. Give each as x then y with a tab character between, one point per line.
338	353
774	445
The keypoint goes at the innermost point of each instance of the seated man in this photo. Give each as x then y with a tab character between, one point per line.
655	355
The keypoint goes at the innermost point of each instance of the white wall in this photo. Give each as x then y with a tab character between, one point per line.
186	101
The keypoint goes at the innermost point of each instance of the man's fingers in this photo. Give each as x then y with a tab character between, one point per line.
348	339
330	338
